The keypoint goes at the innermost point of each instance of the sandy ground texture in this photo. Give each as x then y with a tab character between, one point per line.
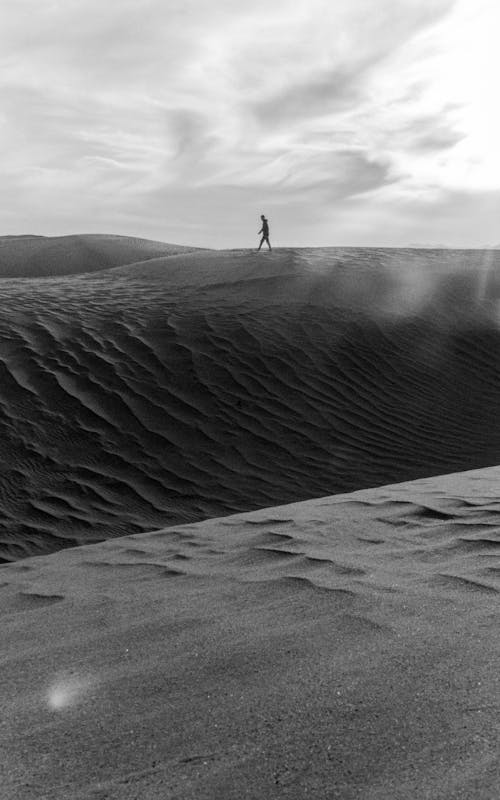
189	385
340	648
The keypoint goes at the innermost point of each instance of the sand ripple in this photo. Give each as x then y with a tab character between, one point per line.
204	384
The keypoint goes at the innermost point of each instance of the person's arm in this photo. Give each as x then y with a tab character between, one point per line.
261	231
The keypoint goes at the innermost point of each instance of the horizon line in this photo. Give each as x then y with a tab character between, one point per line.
410	246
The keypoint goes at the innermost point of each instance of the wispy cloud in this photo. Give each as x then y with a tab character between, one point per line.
183	120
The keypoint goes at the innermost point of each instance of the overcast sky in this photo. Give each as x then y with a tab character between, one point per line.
371	122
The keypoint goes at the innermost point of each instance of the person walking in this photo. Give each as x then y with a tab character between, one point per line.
265	232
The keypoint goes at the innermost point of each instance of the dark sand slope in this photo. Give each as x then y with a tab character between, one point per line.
39	256
208	383
343	648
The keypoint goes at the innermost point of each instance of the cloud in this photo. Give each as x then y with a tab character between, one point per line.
326	92
456	218
121	116
431	134
351	41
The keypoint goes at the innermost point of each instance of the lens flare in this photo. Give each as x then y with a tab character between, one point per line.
67	691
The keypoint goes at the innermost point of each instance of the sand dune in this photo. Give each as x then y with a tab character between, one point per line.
341	647
201	384
40	256
344	647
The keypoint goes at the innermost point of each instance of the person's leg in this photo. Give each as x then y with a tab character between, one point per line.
268	243
261	243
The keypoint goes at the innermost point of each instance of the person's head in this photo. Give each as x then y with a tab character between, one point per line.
262	216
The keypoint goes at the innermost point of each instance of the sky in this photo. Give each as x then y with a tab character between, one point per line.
351	122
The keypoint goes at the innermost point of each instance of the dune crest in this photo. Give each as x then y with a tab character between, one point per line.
42	256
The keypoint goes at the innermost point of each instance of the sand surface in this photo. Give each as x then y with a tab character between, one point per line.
339	648
344	647
167	386
42	256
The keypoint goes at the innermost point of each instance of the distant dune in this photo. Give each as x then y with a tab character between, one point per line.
39	256
171	388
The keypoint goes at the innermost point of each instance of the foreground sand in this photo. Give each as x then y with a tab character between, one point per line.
345	647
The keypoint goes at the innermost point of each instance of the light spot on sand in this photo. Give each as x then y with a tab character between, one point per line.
67	691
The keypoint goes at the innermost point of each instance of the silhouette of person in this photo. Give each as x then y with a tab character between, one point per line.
265	232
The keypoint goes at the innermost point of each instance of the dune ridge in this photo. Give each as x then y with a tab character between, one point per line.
338	647
205	383
41	256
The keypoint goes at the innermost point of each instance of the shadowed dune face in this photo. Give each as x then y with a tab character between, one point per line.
207	383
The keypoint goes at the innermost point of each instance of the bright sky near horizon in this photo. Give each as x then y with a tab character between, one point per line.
350	123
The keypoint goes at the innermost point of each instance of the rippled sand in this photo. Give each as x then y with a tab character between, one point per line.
189	385
341	647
